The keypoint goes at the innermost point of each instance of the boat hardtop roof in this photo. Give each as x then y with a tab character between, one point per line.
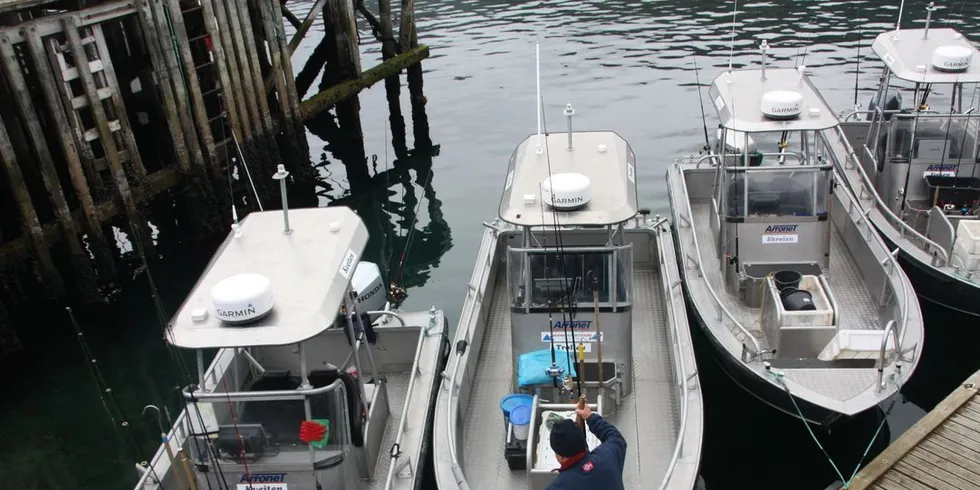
737	96
309	270
909	55
604	157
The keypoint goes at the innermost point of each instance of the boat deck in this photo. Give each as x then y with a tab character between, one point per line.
940	451
397	389
648	417
857	310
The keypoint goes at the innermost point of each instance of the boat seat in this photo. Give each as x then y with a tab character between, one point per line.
325	376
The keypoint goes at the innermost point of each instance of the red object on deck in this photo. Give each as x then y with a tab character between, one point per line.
310	431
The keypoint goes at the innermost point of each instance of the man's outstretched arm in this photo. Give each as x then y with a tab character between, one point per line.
613	442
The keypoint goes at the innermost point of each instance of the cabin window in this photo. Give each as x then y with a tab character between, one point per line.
269	429
543	279
788	191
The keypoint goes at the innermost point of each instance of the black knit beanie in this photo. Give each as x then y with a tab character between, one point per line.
567	439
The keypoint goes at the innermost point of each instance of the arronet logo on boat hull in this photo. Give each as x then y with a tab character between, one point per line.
573	324
263	481
780	234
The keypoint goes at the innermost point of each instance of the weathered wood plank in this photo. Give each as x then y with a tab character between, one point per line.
193	84
287	65
107	78
108	140
925	426
967	431
287	105
925	475
158	182
244	69
954	437
305	26
955	454
30	222
329	97
252	53
232	92
12	71
222	65
887	483
48	82
89	162
938	467
174	125
53	24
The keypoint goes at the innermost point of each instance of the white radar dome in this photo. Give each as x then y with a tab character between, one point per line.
369	287
782	104
566	191
242	298
952	58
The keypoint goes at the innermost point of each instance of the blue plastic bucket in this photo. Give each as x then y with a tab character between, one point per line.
510	402
520	417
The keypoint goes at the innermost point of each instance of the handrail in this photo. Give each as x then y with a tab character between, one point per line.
755	343
395	451
919	114
451	407
683	374
260	396
879	203
944	220
891	256
889	328
150	469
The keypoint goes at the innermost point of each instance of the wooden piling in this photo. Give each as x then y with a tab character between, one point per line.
231	81
305	26
178	132
389	49
345	64
409	39
223	68
193	84
11	69
49	86
244	70
255	71
30	222
107	139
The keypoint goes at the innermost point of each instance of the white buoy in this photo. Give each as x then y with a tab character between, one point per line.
782	104
566	191
952	58
242	298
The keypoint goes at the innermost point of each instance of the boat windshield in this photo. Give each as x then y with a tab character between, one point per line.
556	279
777	191
268	431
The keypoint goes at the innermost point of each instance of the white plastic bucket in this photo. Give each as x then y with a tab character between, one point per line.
520	418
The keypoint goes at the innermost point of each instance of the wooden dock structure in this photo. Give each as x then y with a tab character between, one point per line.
940	452
108	105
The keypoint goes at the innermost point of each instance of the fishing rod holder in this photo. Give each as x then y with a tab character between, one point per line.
569	112
929	10
763	47
281	175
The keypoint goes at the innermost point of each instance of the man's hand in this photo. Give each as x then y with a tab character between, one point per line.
584	412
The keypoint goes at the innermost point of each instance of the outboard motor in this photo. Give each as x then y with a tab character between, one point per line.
369	287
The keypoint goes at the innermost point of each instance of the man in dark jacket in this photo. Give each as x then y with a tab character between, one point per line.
602	468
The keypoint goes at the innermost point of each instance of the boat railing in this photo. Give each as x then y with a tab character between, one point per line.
889	329
800	157
474	300
683	378
890	261
905	230
153	471
723	311
922	114
395	451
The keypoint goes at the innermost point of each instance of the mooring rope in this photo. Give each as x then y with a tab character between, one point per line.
846	483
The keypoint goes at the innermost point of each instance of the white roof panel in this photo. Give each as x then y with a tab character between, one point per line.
309	268
909	57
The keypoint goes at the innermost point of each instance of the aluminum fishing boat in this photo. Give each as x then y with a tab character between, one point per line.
305	341
917	169
805	306
571	267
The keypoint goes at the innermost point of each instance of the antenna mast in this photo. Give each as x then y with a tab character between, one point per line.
731	53
537	79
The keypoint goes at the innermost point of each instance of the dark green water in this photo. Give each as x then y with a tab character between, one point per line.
626	66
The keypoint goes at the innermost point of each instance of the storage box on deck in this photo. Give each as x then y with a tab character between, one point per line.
966	248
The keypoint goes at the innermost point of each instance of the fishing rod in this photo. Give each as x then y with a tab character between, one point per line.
697	79
598	333
857	70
